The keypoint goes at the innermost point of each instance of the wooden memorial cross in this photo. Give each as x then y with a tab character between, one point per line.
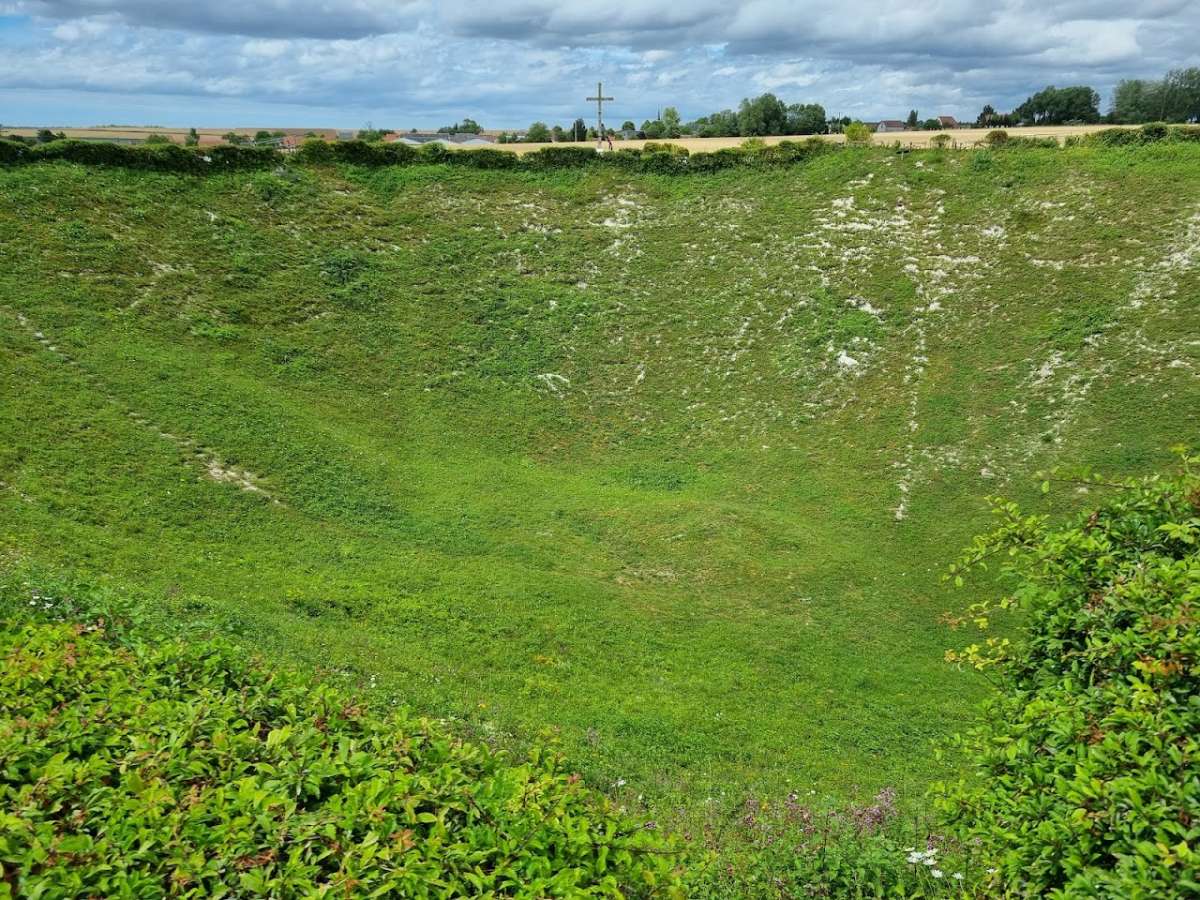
599	100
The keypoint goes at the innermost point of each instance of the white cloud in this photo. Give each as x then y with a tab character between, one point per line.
507	62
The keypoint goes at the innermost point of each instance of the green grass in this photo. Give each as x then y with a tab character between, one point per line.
576	449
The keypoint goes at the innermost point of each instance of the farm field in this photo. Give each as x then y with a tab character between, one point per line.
207	136
962	137
670	464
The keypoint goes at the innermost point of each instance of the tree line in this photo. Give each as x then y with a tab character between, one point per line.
1173	98
755	117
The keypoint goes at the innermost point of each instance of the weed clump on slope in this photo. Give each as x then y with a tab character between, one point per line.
139	770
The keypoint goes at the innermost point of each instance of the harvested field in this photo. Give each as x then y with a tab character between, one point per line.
962	137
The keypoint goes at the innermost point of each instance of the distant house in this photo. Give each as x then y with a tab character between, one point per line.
948	121
891	125
417	138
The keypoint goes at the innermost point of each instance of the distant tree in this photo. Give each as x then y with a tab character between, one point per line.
1057	106
232	137
192	139
763	115
931	125
372	135
718	124
805	118
578	130
158	139
628	126
1174	98
557	134
45	136
466	126
592	134
1182	100
913	119
989	118
1134	101
538	133
672	126
653	129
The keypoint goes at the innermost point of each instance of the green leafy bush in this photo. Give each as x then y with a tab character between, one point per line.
659	163
227	156
12	152
1150	133
561	157
1154	131
432	152
1116	137
628	158
1087	779
484	158
188	770
726	158
996	137
315	150
664	147
858	133
787	153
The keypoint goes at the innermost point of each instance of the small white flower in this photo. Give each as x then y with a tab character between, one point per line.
930	861
910	849
959	876
936	873
620	782
991	871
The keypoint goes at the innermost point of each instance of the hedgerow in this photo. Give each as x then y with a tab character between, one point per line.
1150	133
160	157
137	770
1087	761
653	158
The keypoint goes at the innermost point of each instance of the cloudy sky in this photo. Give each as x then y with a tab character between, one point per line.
419	63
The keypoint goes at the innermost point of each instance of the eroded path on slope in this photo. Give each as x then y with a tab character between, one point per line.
213	465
